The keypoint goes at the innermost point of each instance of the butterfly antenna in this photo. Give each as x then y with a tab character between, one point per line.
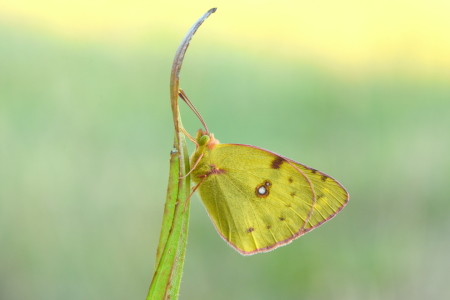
185	98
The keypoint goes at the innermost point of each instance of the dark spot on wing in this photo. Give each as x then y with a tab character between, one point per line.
282	219
215	171
250	229
276	163
263	190
293	194
324	178
290	179
268	226
313	171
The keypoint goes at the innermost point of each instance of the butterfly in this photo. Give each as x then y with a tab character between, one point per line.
259	200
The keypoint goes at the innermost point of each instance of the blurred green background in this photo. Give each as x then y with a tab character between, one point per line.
357	89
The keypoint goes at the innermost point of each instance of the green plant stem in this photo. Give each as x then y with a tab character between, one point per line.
173	237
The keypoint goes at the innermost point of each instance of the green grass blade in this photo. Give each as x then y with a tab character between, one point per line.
173	237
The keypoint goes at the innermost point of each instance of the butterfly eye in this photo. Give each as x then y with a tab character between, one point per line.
263	190
203	140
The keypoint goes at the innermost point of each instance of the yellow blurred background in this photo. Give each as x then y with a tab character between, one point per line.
348	34
357	89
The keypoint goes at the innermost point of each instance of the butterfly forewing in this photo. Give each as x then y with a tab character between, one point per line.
259	200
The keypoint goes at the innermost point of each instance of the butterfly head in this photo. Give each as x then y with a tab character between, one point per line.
206	139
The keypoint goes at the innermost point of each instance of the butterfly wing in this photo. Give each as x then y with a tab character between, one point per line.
259	200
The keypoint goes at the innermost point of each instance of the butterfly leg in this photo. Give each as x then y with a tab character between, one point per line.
193	168
189	136
194	189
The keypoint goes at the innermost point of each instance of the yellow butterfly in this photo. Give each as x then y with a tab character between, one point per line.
259	200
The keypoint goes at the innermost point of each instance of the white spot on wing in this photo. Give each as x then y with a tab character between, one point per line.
262	190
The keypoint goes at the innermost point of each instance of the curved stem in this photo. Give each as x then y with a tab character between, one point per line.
176	66
173	237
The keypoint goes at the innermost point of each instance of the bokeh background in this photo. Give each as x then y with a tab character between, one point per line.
357	89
